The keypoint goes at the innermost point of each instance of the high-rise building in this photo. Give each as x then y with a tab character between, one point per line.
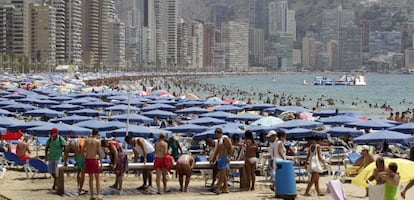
221	14
384	42
95	19
310	50
172	19
161	31
296	57
21	44
6	28
349	48
235	36
148	35
333	20
68	30
183	44
130	12
332	51
256	46
409	59
259	14
116	48
43	40
278	16
209	44
291	25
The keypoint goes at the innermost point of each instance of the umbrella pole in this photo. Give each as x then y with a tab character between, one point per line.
129	109
37	147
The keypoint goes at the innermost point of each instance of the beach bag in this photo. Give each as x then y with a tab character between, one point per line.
315	164
376	192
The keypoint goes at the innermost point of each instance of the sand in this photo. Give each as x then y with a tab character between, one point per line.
15	186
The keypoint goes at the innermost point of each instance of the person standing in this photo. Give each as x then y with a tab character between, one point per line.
314	158
212	144
55	146
185	165
175	148
250	159
93	162
162	163
77	147
142	147
222	154
119	162
392	180
272	161
280	143
407	187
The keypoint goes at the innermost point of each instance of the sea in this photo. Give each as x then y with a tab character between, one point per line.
396	90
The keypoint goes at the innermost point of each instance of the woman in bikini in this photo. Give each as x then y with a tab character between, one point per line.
250	159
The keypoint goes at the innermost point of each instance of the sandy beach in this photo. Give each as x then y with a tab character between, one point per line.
15	186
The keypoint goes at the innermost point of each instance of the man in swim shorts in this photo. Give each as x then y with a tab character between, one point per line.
93	162
76	146
222	154
119	161
163	162
184	167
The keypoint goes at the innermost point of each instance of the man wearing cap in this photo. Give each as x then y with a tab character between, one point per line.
273	151
222	154
53	153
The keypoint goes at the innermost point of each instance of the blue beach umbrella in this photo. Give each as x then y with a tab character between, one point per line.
133	118
192	110
46	102
97	104
100	125
140	131
326	113
64	130
344	132
407	128
338	120
380	136
259	106
60	98
245	117
164	107
14	96
6	103
206	121
119	98
214	101
87	112
19	107
23	126
217	114
302	133
66	107
160	114
187	128
3	131
122	108
189	103
72	119
298	123
8	121
163	101
369	124
228	108
5	112
44	113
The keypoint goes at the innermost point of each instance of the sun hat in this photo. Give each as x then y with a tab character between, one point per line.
272	132
365	147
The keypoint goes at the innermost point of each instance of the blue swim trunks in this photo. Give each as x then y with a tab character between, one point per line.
222	162
150	157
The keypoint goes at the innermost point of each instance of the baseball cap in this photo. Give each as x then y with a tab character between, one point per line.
272	132
365	147
54	132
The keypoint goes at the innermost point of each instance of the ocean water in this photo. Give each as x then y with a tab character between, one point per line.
397	90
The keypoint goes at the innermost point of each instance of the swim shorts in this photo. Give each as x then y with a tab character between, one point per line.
222	162
164	162
92	166
80	162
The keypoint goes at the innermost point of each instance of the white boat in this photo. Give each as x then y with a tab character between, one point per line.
360	80
305	82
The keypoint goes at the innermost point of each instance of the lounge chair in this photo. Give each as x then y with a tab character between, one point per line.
3	165
13	159
38	166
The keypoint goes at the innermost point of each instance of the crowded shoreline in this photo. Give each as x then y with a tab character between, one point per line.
183	85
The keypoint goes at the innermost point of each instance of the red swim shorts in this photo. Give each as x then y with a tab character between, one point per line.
164	162
25	158
92	166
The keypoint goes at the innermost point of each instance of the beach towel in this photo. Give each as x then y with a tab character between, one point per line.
335	188
376	192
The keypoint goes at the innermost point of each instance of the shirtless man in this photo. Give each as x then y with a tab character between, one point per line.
93	161
141	147
161	163
222	154
185	165
77	147
212	144
22	149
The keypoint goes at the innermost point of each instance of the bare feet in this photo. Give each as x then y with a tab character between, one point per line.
307	195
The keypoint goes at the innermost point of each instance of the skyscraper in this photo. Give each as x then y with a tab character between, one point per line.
172	19
116	49
209	44
21	44
278	16
349	47
148	41
161	29
235	36
43	34
333	20
6	28
95	19
291	25
60	8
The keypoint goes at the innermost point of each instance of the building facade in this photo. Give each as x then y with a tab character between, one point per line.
384	42
235	36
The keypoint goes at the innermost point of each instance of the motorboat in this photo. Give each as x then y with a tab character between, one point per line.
319	80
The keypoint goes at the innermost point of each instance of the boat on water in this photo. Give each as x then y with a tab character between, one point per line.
305	82
351	80
274	79
319	80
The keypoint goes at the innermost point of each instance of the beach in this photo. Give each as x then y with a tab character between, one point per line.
15	186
